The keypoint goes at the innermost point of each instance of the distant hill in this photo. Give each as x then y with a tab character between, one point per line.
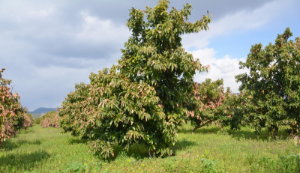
41	111
36	115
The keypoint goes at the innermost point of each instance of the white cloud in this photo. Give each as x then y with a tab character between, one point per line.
41	13
238	22
22	12
97	30
225	68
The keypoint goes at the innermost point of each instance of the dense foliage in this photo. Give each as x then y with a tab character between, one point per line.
143	102
154	54
50	119
22	119
210	104
13	116
116	111
273	84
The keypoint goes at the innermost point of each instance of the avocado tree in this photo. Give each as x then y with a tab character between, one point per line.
140	100
273	84
154	55
116	111
209	105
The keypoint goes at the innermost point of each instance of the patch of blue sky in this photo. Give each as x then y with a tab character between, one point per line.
238	44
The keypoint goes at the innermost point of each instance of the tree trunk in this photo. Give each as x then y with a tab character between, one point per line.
269	130
275	133
201	125
151	153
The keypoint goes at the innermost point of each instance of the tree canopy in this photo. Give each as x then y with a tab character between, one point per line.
273	83
140	100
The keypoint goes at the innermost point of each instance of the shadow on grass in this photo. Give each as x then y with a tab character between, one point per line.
203	130
244	133
183	144
77	141
10	145
139	151
26	131
23	161
263	135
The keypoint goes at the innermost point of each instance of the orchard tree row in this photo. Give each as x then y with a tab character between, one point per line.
13	117
150	92
50	119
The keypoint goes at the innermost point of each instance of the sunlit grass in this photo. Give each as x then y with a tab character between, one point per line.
207	150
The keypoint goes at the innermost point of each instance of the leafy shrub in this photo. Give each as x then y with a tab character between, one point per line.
37	120
76	167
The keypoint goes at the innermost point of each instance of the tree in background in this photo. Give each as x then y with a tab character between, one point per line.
208	104
237	104
143	102
22	119
273	84
50	119
72	107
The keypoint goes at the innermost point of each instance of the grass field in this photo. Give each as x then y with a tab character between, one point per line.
208	150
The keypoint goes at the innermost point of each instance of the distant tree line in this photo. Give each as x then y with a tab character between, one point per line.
50	119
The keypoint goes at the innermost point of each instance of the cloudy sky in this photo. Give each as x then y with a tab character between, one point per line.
48	46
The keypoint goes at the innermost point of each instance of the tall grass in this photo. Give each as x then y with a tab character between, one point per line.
207	150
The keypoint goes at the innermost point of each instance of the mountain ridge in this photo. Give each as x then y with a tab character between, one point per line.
42	110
